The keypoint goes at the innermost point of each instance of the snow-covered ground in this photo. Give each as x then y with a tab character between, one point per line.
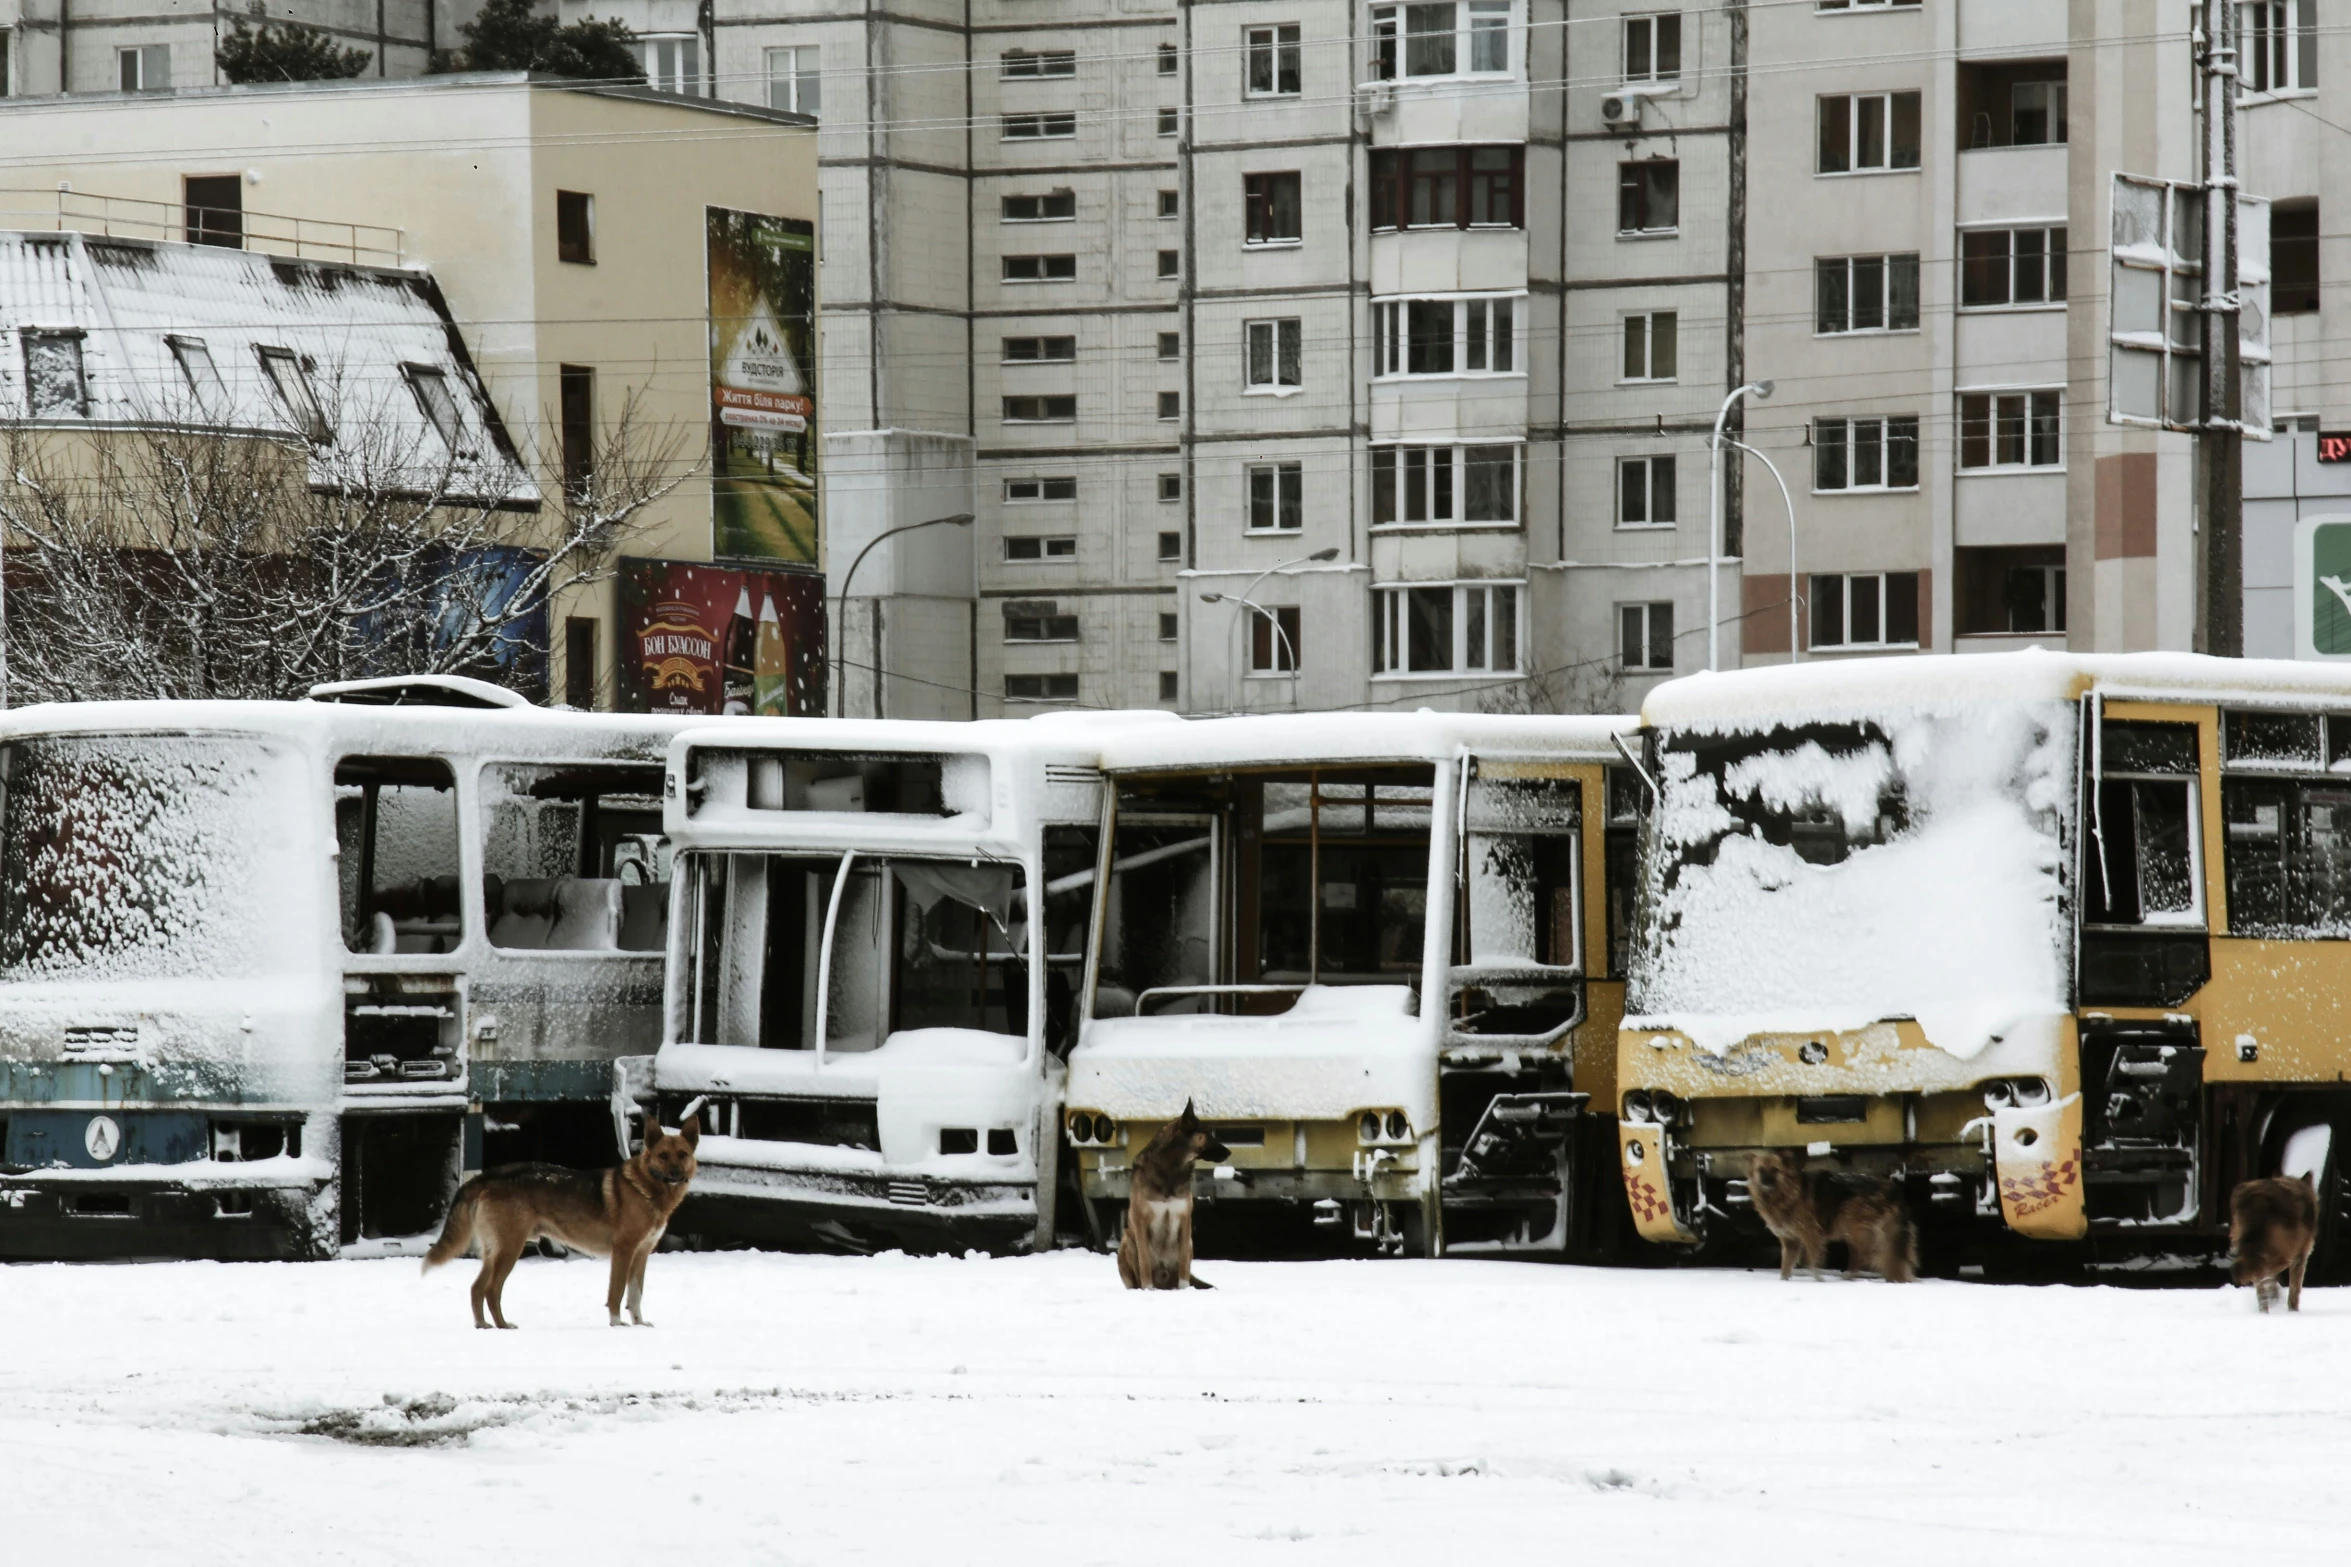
893	1410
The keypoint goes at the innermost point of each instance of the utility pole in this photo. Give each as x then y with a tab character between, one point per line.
2221	440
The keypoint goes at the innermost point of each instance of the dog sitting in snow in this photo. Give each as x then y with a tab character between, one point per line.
1807	1210
2272	1225
620	1212
1156	1250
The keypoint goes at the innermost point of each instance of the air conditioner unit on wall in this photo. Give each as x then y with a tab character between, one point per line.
1622	111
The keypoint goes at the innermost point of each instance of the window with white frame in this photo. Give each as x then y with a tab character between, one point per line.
1271	62
1277	496
1273	640
1040	688
200	375
1052	206
1645	635
1040	350
1167	59
1444	486
671	61
1446	336
289	377
1652	346
1056	487
2007	267
1878	452
2018	430
1865	294
1040	410
1865	609
2277	45
1865	5
1039	127
53	374
1649	196
794	82
1447	38
1653	48
1016	64
2037	114
1271	362
1645	494
1027	620
144	69
1040	269
1868	133
1041	547
1445	628
430	386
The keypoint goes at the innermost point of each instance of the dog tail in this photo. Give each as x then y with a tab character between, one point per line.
457	1229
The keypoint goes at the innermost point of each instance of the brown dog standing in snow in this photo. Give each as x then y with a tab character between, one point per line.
2272	1226
1805	1210
1155	1253
620	1212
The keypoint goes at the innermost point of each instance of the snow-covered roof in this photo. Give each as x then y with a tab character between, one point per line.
102	332
1759	699
1069	736
1269	740
509	731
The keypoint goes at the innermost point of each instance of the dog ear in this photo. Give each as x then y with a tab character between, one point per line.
1190	1121
692	1130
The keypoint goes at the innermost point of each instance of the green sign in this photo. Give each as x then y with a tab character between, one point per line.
2322	587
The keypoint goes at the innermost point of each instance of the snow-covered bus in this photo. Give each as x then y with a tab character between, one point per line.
274	974
1380	954
2059	941
873	979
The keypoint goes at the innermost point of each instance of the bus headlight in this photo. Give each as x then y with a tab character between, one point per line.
1665	1108
2030	1092
1637	1106
1399	1129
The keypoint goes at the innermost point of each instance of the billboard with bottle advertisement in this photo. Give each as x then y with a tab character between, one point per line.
763	484
698	638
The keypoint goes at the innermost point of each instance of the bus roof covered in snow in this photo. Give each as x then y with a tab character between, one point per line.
1273	740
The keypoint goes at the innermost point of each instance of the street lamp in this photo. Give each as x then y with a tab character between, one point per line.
1244	597
1791	505
960	519
1761	389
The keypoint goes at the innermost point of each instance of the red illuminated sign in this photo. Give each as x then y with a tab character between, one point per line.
2334	448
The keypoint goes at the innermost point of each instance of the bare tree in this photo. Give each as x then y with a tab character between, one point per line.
168	559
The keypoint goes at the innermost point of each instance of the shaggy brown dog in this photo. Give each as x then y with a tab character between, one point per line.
1807	1210
1156	1250
2272	1225
619	1213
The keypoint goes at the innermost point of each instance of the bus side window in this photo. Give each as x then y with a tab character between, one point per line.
1627	799
396	828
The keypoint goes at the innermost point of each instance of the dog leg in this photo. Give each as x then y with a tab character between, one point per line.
2265	1291
507	1257
637	1287
2294	1282
1787	1259
481	1292
623	1263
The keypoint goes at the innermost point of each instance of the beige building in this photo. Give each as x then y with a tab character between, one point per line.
564	225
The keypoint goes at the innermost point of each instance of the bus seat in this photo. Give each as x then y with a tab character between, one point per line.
525	914
587	915
644	917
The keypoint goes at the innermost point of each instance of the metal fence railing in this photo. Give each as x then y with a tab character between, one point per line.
236	228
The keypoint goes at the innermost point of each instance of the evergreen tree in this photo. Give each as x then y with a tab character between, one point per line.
287	53
512	35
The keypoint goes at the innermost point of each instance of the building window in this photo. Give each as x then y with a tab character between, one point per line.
1063	547
575	227
288	376
1171	545
1167	626
53	373
1445	39
213	210
1171	488
144	69
200	375
1063	487
576	434
1865	609
1652	346
2034	597
1170	204
1053	206
1865	5
1167	59
430	387
2010	429
579	662
1445	629
1016	63
1445	336
1039	127
2012	267
1865	454
1040	269
1171	264
1653	48
1273	640
1441	486
672	61
1040	688
1025	622
1171	405
2036	114
1865	294
1171	122
1448	187
794	83
2277	45
1171	345
2293	258
1645	636
1272	208
1277	497
1272	62
1649	196
1167	685
1273	349
1868	133
1040	410
1645	492
1040	350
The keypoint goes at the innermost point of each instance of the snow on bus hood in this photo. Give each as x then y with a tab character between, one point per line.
1339	1049
1956	919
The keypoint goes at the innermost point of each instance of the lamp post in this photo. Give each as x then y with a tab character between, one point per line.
1714	530
1271	619
1246	597
960	519
1791	505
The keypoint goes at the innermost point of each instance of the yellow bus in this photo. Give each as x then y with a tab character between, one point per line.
2063	943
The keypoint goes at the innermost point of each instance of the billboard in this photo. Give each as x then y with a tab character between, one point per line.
763	494
697	638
